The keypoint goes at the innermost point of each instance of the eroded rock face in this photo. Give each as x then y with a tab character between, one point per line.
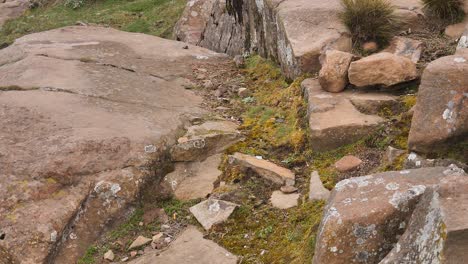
333	76
193	21
337	119
383	68
438	229
441	112
365	216
86	115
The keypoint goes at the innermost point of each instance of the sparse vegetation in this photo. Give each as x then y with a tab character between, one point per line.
155	17
370	20
450	10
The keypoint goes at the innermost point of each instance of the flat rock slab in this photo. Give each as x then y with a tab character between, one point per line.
264	168
337	119
366	215
212	211
190	248
85	112
192	180
284	201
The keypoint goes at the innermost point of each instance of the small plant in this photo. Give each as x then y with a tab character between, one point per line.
370	20
74	4
450	10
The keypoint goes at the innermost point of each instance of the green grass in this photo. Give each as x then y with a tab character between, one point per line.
450	10
370	20
88	257
155	17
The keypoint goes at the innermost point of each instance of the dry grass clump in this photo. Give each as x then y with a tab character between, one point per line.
450	10
370	20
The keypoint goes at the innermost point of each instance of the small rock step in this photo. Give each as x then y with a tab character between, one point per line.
212	211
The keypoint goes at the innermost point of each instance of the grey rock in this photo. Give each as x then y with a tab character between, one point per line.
212	211
284	201
316	189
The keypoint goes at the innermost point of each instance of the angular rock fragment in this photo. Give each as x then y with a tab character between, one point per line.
316	189
333	76
347	163
212	211
382	69
139	242
365	216
284	201
264	168
109	255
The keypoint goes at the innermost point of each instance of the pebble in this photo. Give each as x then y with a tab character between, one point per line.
288	189
109	255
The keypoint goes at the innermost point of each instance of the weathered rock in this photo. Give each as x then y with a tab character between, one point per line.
288	189
438	229
406	47
333	76
334	120
284	201
191	25
264	168
139	242
370	46
189	247
348	163
392	154
204	140
365	216
212	211
10	9
381	69
316	189
89	113
109	255
441	112
155	214
192	180
463	42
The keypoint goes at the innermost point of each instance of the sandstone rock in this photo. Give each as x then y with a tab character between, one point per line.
204	140
189	247
334	120
288	189
370	46
382	69
406	47
212	211
347	163
264	168
156	238
243	92
192	180
139	242
441	113
10	9
316	189
333	76
436	232
109	255
85	130
284	201
365	216
191	25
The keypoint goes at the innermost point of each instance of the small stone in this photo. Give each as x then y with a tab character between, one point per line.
284	201
243	92
109	255
333	76
208	84
212	211
167	240
124	259
347	163
392	153
133	253
165	227
185	47
140	241
156	214
288	189
239	61
370	46
316	189
157	237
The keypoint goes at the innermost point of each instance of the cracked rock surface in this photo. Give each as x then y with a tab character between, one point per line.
88	114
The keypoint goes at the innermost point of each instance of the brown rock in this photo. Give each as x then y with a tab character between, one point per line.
316	189
264	168
139	242
287	189
109	255
347	163
382	69
333	76
455	31
10	9
370	46
212	212
284	201
441	113
406	47
155	214
365	216
193	21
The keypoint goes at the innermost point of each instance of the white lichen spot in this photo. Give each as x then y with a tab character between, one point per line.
53	236
358	181
453	170
333	249
412	156
214	207
404	172
400	200
393	186
459	60
379	181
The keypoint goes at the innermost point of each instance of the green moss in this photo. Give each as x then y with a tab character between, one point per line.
155	17
88	257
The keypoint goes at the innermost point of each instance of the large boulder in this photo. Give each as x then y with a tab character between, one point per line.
333	76
441	112
191	25
337	119
438	229
382	69
365	216
87	115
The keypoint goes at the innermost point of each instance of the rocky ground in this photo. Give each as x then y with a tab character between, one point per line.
125	147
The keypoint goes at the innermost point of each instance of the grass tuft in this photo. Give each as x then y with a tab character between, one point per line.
370	20
450	10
